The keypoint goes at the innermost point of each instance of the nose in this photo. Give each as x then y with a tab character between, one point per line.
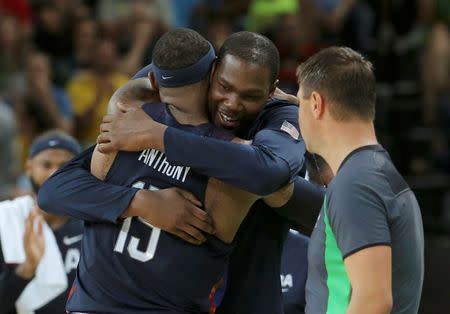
51	171
233	104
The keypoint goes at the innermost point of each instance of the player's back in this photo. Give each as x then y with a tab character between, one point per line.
133	267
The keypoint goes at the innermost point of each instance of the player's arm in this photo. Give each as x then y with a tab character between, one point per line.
370	275
299	202
73	191
133	94
357	217
274	157
160	207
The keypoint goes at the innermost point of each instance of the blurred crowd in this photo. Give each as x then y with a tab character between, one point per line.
60	61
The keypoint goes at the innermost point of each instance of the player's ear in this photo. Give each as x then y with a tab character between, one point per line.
213	70
28	166
153	81
273	88
318	105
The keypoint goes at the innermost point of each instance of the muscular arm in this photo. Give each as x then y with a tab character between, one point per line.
357	217
370	275
274	156
299	202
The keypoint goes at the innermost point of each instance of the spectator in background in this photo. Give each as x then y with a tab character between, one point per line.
113	13
139	44
52	29
39	253
42	105
263	14
348	22
182	11
21	10
90	90
9	156
84	41
218	31
11	56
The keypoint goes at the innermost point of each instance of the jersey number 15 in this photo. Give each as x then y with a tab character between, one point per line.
135	253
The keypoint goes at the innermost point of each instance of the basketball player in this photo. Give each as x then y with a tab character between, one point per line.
25	283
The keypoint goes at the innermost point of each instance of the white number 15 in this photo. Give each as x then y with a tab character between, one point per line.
135	253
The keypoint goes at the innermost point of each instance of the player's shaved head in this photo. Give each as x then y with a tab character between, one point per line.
179	48
345	77
253	48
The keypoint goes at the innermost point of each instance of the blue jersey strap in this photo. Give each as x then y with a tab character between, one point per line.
73	191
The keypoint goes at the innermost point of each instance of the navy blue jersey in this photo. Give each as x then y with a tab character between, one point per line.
294	268
133	267
254	269
253	280
68	238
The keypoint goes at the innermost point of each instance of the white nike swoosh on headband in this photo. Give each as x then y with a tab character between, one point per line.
71	240
166	77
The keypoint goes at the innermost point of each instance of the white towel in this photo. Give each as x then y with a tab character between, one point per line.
50	279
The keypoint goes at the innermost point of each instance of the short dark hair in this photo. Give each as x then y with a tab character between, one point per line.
345	77
179	48
253	48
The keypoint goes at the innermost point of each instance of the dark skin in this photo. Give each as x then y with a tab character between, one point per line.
226	204
238	91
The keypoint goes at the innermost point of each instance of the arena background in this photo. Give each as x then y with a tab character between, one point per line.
54	52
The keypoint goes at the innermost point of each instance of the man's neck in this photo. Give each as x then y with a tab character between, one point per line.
345	138
187	108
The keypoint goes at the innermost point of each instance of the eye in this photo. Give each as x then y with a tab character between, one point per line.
224	87
251	97
46	165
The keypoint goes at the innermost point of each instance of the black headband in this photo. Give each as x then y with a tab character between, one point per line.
56	142
185	76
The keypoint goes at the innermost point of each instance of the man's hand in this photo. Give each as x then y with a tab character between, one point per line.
34	245
130	129
173	210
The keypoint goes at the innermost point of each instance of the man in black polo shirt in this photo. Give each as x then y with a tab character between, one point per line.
366	251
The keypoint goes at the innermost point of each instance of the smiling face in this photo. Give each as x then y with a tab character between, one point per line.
238	92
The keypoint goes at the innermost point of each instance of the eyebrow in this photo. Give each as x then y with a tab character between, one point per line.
251	91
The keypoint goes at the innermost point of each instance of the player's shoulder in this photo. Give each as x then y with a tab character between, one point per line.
276	110
275	105
361	164
368	172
